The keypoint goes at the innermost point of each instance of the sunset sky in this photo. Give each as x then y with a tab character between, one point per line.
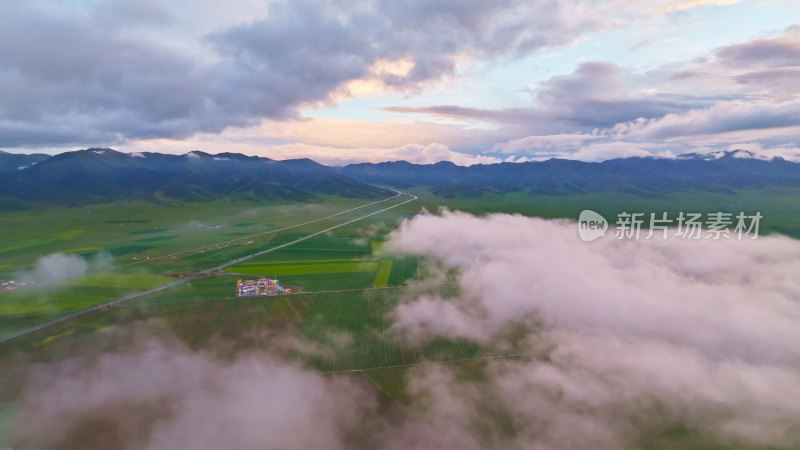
467	81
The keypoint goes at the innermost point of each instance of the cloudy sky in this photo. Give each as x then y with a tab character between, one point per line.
341	81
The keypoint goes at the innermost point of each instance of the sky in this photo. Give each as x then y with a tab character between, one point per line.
466	81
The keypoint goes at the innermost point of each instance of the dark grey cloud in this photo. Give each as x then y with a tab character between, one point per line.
780	51
72	78
595	95
114	71
601	94
782	80
107	72
131	13
508	115
304	50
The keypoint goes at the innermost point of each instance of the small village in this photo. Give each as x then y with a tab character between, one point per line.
10	285
260	287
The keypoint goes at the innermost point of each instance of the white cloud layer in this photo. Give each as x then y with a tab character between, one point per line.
623	343
705	330
337	156
58	266
178	399
414	153
548	141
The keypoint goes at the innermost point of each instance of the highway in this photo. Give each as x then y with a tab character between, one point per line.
269	250
187	279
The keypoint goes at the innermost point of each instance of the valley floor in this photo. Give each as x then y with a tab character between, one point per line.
169	274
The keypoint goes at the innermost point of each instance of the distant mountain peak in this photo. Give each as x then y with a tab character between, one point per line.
720	154
100	151
301	162
197	154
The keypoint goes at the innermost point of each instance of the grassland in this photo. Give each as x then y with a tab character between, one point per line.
780	206
135	232
78	292
340	260
132	233
338	310
146	242
351	329
355	327
134	268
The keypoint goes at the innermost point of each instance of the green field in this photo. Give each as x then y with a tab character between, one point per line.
156	246
383	274
143	242
780	206
133	232
352	325
208	288
78	292
359	318
304	269
342	259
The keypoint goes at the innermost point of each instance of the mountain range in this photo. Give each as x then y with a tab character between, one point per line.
721	172
104	175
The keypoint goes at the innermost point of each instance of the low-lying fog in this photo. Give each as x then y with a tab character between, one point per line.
626	341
